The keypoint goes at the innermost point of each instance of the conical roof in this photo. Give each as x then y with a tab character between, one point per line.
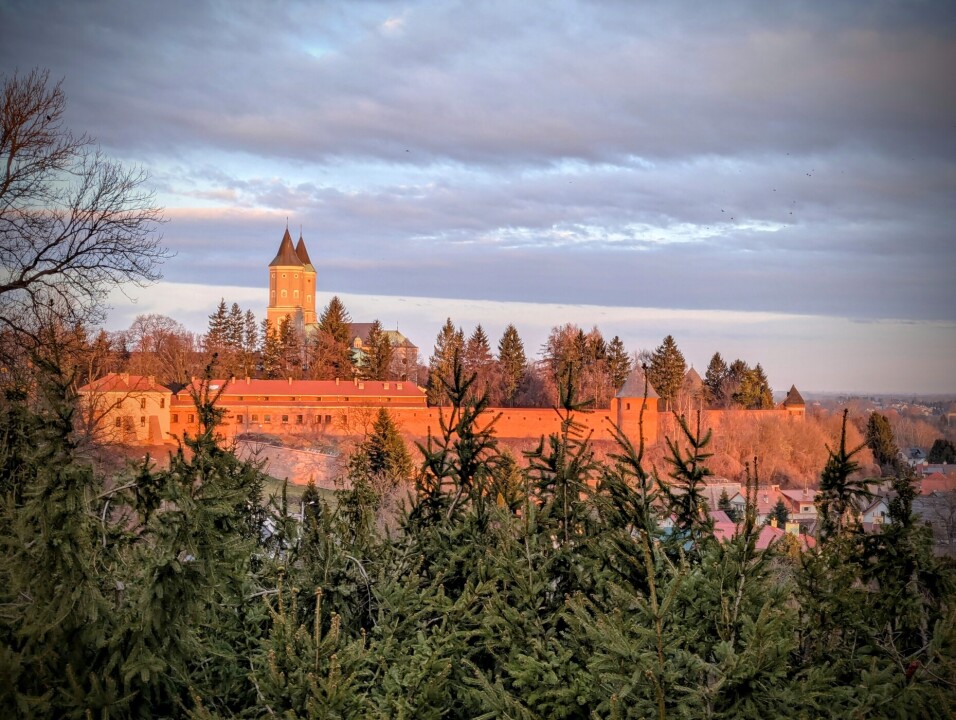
793	397
634	386
303	254
693	379
286	255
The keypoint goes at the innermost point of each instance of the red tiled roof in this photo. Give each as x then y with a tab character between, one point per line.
307	389
123	382
937	482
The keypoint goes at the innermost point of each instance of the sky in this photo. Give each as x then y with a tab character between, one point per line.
773	181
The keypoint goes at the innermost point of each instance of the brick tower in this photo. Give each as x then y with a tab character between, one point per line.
286	284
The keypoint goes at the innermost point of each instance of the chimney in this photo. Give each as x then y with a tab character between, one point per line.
247	379
290	381
151	379
336	382
125	377
355	381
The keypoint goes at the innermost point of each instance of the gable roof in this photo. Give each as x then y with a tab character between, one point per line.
633	387
124	383
303	254
286	255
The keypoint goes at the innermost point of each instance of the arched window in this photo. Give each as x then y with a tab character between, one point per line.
273	294
283	294
295	294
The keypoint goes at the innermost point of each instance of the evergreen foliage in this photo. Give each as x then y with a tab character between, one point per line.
378	354
528	590
449	347
511	364
619	363
715	379
943	451
879	438
666	369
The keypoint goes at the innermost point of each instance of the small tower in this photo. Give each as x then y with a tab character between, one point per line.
794	404
286	276
626	408
308	283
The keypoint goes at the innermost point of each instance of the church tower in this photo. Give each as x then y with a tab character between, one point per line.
286	284
308	283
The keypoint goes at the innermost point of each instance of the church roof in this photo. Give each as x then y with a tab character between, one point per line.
286	255
303	254
360	330
793	397
634	386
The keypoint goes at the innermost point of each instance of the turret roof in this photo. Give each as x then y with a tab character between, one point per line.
794	397
286	255
693	378
634	386
303	254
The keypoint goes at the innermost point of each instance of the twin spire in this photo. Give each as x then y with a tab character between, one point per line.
289	256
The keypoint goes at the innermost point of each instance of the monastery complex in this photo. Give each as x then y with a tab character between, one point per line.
136	410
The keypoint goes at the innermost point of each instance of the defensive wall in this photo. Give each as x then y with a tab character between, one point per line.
342	409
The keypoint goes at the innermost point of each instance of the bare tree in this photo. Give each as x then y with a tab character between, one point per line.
73	224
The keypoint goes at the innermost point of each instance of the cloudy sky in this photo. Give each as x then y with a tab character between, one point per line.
776	181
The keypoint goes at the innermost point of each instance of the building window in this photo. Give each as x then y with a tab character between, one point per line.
628	406
142	421
142	403
119	422
285	419
162	402
295	294
240	398
267	418
296	276
346	399
328	418
265	399
283	274
239	419
255	418
284	293
175	417
298	419
190	418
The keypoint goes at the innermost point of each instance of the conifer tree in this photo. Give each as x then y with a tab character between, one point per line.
378	353
511	364
840	493
715	379
216	338
666	370
272	364
449	345
619	363
331	353
879	438
684	491
477	360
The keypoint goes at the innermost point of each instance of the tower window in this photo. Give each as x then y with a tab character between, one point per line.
295	294
296	276
283	293
283	275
